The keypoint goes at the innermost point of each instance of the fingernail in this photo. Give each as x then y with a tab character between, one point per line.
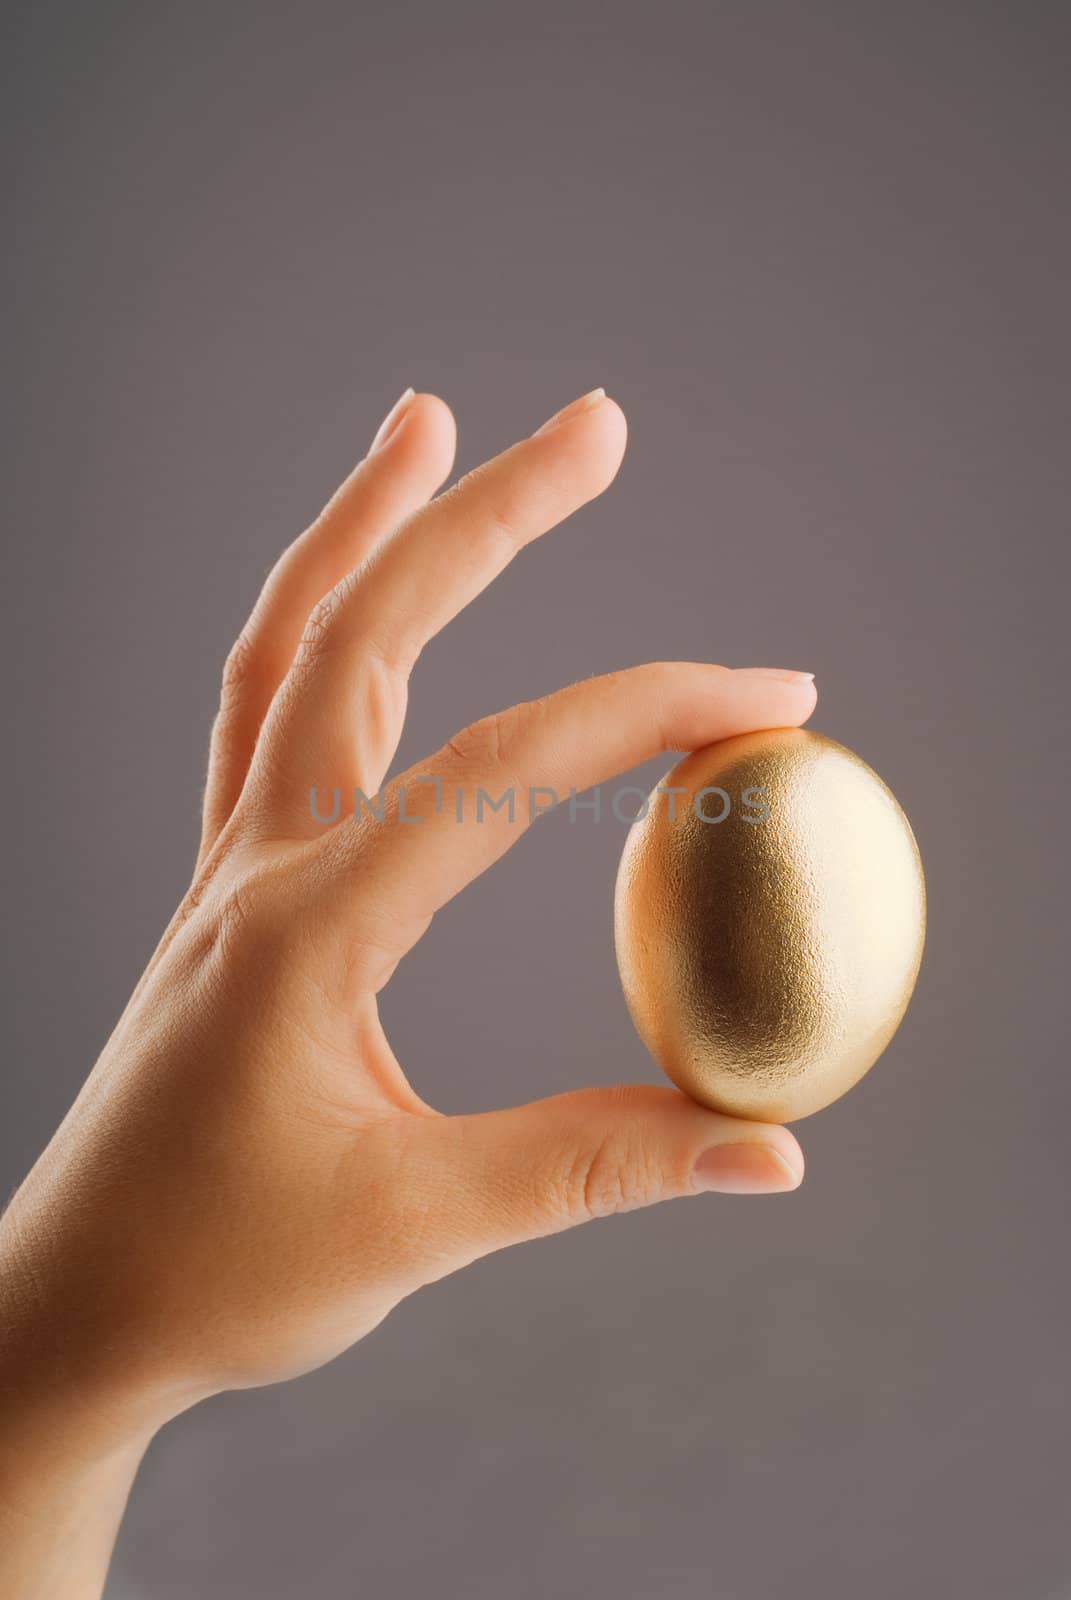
744	1169
585	403
782	674
391	421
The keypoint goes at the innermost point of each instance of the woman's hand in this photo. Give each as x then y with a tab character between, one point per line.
247	1182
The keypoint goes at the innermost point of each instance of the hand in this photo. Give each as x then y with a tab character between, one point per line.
247	1182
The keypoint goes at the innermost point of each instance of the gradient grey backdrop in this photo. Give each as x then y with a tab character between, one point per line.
821	254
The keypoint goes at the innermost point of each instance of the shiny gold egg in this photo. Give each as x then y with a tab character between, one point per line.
769	920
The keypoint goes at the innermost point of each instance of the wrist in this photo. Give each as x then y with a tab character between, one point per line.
73	1395
72	1435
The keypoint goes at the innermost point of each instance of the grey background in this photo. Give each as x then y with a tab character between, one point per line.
821	254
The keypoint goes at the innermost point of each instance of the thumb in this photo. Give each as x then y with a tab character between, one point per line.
501	1177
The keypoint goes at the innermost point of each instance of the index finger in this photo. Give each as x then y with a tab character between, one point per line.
430	836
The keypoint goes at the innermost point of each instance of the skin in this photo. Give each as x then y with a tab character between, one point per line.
247	1183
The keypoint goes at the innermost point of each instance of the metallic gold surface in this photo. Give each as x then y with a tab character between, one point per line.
767	963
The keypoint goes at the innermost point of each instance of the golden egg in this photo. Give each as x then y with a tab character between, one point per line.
769	919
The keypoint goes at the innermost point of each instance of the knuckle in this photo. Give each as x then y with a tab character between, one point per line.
502	529
604	1179
239	665
385	642
393	661
662	674
318	624
491	742
251	913
255	663
234	915
239	911
663	679
493	516
669	676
